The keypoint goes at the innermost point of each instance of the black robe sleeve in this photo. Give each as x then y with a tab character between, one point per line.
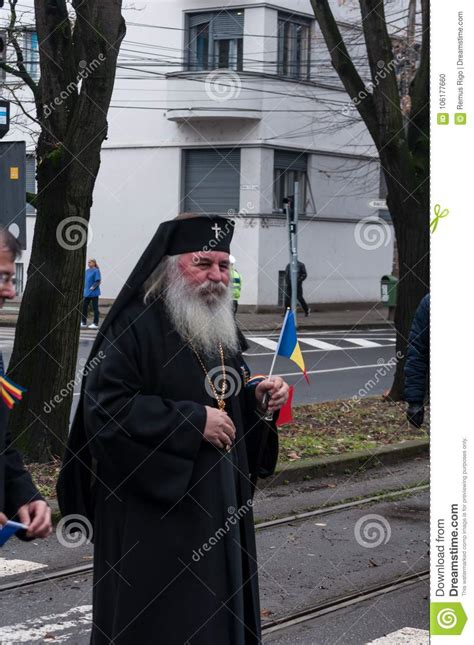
261	438
150	443
18	486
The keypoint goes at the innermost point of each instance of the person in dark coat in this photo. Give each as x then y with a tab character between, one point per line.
417	363
168	440
301	277
19	498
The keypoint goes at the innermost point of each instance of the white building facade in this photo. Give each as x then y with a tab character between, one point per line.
220	110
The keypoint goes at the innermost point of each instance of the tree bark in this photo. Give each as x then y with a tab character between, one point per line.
403	151
68	159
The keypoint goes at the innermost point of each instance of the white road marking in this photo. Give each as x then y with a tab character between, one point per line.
338	369
402	636
35	629
265	342
362	342
12	567
319	344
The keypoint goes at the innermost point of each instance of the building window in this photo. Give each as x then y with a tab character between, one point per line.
211	181
215	40
31	54
289	167
293	46
19	278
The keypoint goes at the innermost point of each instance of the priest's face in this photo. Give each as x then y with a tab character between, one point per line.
212	266
207	274
199	301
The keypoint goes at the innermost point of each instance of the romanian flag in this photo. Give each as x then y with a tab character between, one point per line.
10	392
288	343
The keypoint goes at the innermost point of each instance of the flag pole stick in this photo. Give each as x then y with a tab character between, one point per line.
270	373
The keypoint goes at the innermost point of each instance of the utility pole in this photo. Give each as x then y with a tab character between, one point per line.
291	209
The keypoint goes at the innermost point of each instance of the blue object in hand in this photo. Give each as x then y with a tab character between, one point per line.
9	529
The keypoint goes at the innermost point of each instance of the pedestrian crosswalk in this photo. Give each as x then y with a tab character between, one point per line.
405	635
315	343
309	342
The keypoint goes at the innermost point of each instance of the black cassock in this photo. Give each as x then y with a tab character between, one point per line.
175	556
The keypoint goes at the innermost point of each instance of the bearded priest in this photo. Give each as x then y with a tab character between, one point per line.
170	436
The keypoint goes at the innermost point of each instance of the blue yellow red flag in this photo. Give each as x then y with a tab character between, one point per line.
288	344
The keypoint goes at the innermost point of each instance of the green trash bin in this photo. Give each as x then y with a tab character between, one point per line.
388	290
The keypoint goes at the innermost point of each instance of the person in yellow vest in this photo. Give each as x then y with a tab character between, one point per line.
236	283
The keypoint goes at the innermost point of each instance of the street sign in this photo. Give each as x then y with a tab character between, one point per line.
378	203
13	188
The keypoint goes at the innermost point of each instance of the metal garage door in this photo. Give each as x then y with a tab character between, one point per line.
211	180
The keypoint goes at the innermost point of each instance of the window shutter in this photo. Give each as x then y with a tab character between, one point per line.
288	160
227	24
212	180
196	19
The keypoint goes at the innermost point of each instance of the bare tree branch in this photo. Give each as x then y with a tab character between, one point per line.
344	65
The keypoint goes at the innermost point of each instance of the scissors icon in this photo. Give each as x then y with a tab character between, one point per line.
439	214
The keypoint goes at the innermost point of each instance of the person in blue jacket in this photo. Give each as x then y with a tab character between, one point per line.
91	294
417	363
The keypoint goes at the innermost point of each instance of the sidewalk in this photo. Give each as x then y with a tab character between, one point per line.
338	316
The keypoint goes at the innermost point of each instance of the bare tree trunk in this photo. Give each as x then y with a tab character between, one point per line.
403	149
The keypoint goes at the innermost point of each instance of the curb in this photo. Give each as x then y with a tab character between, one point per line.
348	461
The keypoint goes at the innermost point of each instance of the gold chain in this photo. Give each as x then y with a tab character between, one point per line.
220	399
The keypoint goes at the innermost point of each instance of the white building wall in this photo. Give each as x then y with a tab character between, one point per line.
140	179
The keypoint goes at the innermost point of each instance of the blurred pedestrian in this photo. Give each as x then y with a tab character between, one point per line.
91	293
236	284
20	500
301	277
417	363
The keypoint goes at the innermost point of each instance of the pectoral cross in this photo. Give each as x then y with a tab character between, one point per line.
217	229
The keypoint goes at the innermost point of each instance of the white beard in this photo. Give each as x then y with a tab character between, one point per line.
202	314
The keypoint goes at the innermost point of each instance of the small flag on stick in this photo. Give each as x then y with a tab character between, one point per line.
288	344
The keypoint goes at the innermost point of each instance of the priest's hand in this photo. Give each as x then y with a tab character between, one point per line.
37	517
275	391
219	429
3	520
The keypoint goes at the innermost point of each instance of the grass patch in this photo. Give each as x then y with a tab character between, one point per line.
45	477
318	430
331	428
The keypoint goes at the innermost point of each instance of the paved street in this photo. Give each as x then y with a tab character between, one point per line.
302	564
339	362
